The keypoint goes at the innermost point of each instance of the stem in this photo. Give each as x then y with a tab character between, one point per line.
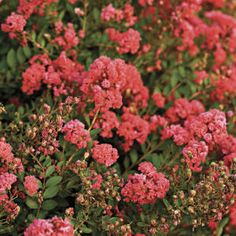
94	120
85	15
37	45
38	162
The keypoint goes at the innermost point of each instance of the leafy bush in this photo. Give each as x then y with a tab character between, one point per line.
117	117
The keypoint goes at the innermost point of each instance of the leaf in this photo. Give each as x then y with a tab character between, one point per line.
96	15
174	79
31	203
11	59
86	230
181	71
221	226
53	181
51	192
167	204
133	156
157	160
50	170
49	205
141	224
40	185
27	51
126	163
20	55
95	132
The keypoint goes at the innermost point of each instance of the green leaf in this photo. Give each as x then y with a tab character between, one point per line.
27	51
133	156
11	59
50	170
167	204
96	14
126	163
86	230
20	55
49	205
142	224
181	71
221	226
95	132
53	181
31	203
51	192
157	160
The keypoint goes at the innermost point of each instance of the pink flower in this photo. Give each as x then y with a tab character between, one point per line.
157	121
108	12
201	76
228	159
31	185
6	181
6	152
147	187
14	23
129	41
76	133
195	153
107	123
79	12
98	182
32	78
159	100
133	128
105	154
55	226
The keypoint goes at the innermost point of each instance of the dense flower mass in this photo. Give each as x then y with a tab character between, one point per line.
31	185
50	227
108	81
14	23
6	181
195	153
129	41
117	117
105	154
76	133
132	128
146	187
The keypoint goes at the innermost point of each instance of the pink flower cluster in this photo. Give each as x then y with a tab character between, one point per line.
7	160
159	100
202	132
55	226
107	122
132	128
107	81
129	41
110	13
8	163
218	38
15	23
195	153
147	187
183	109
144	3
76	133
62	74
29	7
6	181
69	38
105	154
31	185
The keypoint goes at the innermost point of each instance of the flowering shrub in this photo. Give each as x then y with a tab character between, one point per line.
117	117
